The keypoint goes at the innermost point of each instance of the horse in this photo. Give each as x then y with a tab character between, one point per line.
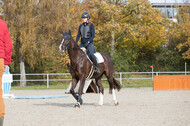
80	66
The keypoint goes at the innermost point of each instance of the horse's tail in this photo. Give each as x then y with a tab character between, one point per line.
116	86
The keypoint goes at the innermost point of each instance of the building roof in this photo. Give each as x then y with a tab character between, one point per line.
168	2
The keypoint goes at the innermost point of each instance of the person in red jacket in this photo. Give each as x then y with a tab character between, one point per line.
5	59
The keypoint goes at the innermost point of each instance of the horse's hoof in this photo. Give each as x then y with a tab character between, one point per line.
77	105
116	104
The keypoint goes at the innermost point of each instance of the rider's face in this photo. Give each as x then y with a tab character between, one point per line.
85	19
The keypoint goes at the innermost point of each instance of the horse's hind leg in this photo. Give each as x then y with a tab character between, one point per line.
114	97
112	89
101	91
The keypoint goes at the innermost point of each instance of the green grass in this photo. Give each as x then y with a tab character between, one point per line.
55	85
38	87
44	87
138	86
139	83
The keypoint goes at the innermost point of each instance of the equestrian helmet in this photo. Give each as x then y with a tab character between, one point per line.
85	15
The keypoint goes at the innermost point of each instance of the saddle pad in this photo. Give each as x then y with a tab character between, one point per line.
99	57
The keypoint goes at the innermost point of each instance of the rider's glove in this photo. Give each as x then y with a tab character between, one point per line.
86	44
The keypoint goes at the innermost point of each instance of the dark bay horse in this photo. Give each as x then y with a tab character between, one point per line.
80	67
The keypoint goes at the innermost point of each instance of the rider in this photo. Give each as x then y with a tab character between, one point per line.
87	33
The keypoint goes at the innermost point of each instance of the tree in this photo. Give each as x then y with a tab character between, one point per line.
184	33
178	36
35	28
131	31
144	32
104	15
20	17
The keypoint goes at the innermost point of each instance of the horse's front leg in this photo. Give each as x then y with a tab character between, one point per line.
82	82
74	83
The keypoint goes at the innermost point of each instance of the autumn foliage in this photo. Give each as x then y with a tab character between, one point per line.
133	33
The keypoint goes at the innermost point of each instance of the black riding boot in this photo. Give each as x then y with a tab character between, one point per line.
95	64
1	121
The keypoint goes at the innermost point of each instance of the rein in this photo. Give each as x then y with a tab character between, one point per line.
73	48
76	63
74	67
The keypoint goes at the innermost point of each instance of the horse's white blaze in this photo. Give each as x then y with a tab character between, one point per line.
114	96
101	99
60	47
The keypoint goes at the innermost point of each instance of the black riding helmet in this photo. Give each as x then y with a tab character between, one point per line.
85	15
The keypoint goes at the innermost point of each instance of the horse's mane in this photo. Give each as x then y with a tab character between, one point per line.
75	45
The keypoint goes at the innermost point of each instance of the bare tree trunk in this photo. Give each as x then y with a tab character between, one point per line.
68	14
112	43
112	38
22	72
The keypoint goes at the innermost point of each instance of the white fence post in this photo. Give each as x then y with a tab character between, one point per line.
47	80
185	68
152	73
120	78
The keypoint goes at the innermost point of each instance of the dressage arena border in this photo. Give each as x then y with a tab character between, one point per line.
172	82
137	107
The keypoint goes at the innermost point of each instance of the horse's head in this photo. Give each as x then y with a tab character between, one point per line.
65	41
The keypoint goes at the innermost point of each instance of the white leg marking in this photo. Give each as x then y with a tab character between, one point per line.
101	99
114	97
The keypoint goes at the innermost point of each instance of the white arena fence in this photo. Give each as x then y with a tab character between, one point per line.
120	76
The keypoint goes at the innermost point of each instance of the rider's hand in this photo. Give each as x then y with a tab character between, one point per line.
86	44
5	68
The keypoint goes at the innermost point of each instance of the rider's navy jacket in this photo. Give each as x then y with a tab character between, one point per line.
86	32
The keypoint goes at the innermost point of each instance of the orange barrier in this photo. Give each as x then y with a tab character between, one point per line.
172	82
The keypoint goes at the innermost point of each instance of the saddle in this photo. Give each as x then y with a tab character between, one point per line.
98	56
99	59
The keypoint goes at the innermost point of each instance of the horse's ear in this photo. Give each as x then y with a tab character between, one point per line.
63	32
69	32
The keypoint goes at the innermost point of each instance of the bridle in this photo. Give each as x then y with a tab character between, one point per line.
67	48
67	45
